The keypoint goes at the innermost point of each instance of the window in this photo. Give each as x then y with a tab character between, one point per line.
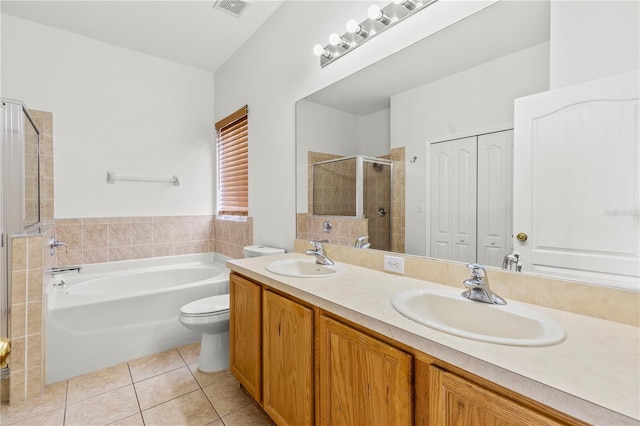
233	163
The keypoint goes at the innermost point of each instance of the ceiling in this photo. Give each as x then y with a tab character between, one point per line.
498	30
192	33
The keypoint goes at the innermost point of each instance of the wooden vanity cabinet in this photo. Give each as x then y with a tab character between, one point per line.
363	381
306	366
245	334
287	333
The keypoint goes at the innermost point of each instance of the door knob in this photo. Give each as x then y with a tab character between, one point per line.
522	237
5	350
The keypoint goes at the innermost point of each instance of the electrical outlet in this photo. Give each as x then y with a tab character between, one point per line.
394	264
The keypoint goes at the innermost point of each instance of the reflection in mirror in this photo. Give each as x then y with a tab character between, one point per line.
461	82
358	187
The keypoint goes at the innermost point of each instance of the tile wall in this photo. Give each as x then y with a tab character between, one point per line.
344	230
30	264
44	122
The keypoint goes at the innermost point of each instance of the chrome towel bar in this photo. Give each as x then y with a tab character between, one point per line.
112	178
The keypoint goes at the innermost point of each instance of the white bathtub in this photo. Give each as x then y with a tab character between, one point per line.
115	312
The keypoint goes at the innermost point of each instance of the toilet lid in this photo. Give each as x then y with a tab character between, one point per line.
208	305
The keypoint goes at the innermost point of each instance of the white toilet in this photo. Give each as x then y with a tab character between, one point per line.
210	316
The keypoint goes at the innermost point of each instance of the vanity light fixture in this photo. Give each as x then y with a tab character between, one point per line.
378	21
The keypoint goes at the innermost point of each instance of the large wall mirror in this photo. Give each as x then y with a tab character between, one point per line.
442	103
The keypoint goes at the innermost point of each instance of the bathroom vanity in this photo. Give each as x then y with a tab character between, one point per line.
333	350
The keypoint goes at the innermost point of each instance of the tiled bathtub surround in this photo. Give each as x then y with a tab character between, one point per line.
98	240
29	266
44	122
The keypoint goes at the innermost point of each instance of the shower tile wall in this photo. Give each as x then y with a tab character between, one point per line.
397	155
44	122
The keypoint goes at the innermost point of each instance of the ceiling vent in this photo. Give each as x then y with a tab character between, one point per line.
233	7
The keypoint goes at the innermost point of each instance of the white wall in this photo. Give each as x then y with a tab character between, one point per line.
593	39
474	101
276	67
114	109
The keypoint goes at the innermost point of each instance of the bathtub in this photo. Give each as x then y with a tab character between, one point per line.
115	312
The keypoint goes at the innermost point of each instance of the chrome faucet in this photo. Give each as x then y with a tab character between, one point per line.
319	253
54	244
62	269
478	286
512	261
360	242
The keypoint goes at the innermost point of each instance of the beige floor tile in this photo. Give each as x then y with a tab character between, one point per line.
103	409
135	420
152	365
206	379
190	353
226	396
53	418
215	423
52	399
90	385
192	409
160	389
249	415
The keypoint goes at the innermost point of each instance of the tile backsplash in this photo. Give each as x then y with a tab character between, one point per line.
613	304
98	240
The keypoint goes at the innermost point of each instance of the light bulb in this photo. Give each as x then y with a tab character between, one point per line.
353	26
408	4
377	14
374	12
318	50
335	39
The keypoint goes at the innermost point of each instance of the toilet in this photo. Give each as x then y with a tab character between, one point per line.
210	316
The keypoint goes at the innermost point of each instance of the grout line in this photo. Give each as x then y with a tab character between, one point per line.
135	391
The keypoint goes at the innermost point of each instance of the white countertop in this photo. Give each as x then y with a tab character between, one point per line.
593	375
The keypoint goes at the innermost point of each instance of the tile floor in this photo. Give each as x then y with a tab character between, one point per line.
161	389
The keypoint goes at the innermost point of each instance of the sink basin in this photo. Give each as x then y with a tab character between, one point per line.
447	311
303	268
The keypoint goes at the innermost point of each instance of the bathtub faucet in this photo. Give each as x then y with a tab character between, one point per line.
54	244
63	269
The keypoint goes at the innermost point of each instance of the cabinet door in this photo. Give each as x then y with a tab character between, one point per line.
245	334
287	360
457	401
363	381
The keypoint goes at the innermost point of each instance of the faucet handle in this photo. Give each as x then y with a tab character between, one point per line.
477	271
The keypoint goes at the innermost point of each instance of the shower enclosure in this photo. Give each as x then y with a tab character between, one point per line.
19	189
358	187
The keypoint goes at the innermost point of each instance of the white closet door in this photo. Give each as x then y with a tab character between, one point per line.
577	183
453	200
495	183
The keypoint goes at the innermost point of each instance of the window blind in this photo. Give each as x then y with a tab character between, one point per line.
233	163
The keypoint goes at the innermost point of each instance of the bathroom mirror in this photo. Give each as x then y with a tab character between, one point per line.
458	83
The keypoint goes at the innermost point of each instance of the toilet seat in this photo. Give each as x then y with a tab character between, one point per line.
213	305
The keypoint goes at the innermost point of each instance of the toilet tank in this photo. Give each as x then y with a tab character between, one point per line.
259	250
